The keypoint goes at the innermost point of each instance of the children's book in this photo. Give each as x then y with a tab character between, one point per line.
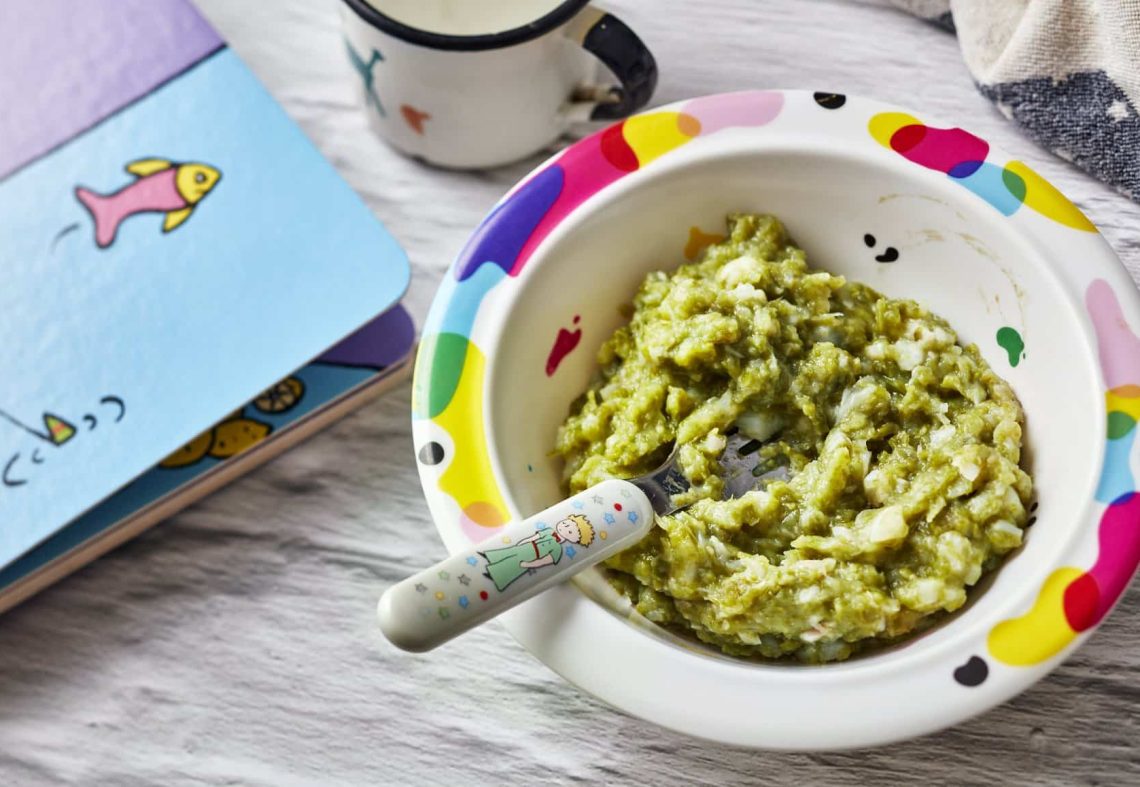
178	260
356	370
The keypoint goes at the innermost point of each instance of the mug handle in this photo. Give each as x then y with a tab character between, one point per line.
610	40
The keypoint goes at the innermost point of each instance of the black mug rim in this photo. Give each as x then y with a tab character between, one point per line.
458	43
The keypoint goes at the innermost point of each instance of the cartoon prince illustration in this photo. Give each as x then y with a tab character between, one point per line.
544	548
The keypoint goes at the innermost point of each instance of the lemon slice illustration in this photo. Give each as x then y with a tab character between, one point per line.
281	397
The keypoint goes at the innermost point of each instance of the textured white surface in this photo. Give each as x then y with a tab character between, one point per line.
235	643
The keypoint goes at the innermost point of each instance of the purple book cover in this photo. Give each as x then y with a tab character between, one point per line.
88	60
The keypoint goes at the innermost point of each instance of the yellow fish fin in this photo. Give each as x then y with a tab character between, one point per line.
148	166
175	218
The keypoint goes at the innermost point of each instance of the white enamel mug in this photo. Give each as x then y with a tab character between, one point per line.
479	83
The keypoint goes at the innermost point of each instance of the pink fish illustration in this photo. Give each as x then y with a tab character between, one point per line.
161	186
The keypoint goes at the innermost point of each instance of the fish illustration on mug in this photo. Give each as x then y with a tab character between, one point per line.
160	186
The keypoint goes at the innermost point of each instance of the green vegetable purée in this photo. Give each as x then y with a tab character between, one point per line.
903	447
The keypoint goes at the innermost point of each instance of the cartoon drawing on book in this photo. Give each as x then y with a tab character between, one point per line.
282	397
543	548
56	431
228	438
160	186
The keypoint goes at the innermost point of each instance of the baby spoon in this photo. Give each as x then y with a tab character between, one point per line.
526	557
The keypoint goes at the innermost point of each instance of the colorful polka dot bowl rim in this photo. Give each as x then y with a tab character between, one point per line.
906	203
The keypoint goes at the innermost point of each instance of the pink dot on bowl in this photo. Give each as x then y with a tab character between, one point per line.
713	113
1080	602
907	137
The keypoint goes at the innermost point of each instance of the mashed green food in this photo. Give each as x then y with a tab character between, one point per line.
903	449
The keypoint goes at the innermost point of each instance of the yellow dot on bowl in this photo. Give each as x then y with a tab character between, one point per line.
884	125
1040	633
506	540
656	133
602	535
1043	197
1116	401
439	595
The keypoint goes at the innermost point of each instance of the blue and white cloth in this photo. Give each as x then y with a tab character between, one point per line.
1065	71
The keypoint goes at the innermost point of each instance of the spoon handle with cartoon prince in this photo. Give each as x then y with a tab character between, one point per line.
517	562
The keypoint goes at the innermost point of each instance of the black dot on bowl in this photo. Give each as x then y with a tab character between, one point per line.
973	673
431	453
830	100
869	239
1032	519
889	255
1033	508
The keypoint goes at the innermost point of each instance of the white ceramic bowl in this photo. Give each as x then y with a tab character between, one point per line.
891	199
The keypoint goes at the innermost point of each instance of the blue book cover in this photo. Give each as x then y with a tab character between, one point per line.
172	244
344	376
